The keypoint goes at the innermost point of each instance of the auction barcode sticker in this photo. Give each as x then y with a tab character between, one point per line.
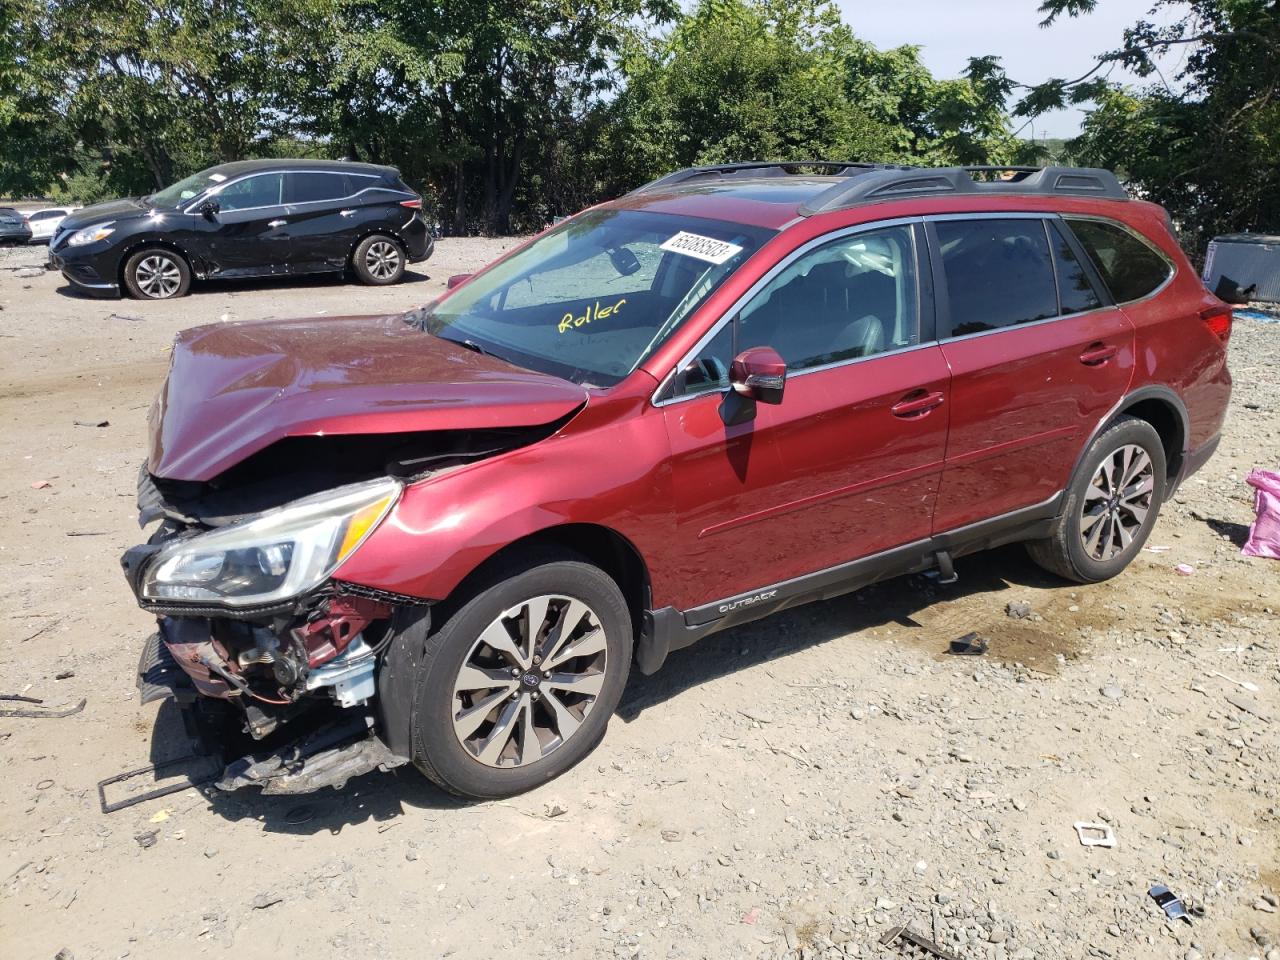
704	248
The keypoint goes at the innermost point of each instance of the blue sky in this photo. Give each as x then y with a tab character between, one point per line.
951	31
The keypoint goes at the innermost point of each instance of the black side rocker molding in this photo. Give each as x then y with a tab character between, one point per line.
669	629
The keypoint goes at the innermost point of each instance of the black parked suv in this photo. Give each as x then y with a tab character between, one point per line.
252	218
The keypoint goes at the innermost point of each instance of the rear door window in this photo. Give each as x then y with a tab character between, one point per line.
999	273
1130	267
311	187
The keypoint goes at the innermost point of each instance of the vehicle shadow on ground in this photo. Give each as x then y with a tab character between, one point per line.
894	601
377	797
199	288
383	797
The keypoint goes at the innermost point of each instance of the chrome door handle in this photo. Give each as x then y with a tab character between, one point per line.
346	213
277	223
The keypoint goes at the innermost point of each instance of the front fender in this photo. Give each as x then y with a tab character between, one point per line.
613	473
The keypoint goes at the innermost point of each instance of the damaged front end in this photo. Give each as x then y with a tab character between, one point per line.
263	651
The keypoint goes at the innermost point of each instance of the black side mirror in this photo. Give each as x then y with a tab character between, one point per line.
209	208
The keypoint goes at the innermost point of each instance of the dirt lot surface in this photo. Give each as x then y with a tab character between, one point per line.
794	788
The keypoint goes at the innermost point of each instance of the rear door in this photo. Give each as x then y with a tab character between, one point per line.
848	464
328	212
1037	354
250	231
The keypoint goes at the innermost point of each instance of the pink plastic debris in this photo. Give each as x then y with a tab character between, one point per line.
1185	569
1264	533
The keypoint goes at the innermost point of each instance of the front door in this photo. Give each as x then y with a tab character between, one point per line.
1037	357
848	464
250	235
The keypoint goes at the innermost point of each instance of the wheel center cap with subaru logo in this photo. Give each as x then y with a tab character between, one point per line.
531	680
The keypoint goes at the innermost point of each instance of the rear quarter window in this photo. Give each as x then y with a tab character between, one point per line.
1130	266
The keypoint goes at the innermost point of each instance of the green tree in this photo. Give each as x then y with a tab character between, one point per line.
467	96
36	142
935	122
1206	145
740	80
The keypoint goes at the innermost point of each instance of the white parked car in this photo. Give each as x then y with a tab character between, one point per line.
44	222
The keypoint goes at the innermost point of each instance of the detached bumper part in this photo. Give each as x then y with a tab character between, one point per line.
328	758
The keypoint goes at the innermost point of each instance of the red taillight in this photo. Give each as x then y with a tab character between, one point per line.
411	204
1218	319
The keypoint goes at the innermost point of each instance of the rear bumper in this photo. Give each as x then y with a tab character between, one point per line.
418	241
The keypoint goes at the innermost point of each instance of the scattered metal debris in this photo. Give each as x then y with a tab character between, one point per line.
1095	834
215	769
970	645
147	839
38	714
911	944
1169	903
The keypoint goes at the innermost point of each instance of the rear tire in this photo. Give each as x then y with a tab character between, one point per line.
519	684
157	274
378	260
1111	505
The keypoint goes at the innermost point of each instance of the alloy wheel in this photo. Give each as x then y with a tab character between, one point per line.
529	681
158	276
382	259
1117	502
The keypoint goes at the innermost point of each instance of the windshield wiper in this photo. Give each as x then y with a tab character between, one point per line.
474	347
469	344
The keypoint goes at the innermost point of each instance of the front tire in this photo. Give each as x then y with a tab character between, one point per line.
518	685
157	274
378	260
1111	505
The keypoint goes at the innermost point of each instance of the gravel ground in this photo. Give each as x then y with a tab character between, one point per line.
794	788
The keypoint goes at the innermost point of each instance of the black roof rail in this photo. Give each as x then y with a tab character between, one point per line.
767	168
898	184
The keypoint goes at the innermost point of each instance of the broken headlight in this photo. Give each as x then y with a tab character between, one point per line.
274	557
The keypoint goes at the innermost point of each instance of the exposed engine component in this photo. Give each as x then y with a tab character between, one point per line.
351	675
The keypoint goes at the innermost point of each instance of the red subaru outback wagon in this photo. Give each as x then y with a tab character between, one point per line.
443	537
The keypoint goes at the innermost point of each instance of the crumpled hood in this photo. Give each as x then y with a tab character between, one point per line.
233	389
